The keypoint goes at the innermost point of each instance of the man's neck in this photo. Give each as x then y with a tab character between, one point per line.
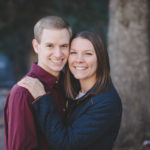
53	73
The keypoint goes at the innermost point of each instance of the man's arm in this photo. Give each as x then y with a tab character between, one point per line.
19	122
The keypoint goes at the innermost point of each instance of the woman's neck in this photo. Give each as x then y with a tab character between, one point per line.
87	85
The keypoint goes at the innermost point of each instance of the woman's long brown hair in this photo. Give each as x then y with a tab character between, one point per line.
103	79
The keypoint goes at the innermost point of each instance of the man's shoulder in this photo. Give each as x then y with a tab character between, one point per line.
18	97
16	89
19	93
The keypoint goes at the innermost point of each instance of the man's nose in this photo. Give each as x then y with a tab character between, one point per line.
57	52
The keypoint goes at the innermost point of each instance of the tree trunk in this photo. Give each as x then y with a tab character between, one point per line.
128	46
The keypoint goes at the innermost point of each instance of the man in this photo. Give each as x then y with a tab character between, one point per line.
51	43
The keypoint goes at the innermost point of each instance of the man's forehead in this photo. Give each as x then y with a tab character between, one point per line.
60	43
55	36
55	41
58	30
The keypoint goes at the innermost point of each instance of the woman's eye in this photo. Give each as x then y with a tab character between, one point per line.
88	53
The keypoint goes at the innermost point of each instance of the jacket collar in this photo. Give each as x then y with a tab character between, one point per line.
88	94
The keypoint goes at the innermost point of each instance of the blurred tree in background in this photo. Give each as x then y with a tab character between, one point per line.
17	18
129	50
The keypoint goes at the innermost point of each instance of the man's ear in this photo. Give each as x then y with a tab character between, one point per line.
35	45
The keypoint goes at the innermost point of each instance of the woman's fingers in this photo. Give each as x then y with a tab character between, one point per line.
29	80
32	81
33	85
22	83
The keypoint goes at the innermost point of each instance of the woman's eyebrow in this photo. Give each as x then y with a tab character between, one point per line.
90	50
84	50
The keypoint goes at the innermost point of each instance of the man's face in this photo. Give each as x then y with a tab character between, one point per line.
53	50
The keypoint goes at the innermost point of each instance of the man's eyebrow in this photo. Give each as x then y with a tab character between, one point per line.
65	44
49	43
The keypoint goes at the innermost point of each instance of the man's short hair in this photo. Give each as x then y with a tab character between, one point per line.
50	22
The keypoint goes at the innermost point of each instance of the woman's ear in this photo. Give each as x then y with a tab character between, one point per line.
35	45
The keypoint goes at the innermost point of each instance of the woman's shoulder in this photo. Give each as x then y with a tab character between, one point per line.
109	96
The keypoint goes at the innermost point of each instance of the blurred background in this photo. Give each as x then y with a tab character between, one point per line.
124	26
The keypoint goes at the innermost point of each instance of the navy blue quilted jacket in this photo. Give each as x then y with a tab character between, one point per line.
93	123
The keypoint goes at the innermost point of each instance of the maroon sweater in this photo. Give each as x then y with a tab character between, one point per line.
21	131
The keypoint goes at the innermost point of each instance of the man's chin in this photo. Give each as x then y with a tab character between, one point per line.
57	69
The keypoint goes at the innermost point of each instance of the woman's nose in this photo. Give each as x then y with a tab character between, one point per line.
80	58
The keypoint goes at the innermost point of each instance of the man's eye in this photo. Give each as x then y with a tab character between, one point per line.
65	46
50	45
72	53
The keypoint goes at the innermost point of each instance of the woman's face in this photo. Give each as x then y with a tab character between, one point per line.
83	59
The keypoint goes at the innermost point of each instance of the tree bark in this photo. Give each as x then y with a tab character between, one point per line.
128	46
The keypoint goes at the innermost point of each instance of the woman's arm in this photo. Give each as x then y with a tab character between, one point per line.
33	85
89	127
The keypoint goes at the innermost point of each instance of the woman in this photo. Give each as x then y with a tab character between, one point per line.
94	107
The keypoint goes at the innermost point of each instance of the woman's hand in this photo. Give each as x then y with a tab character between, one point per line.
33	85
